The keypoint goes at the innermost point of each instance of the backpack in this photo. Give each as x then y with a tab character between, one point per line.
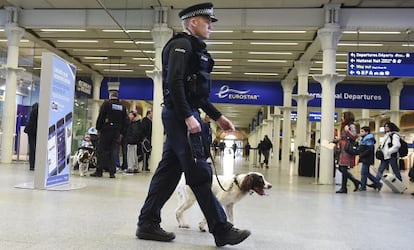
403	150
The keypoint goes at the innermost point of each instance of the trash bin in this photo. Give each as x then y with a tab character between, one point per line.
307	158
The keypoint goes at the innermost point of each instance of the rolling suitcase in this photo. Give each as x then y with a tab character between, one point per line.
393	183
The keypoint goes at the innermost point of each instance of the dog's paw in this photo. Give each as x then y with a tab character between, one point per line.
202	229
184	226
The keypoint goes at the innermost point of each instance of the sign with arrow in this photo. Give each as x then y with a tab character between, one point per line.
381	64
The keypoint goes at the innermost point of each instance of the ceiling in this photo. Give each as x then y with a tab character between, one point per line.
234	57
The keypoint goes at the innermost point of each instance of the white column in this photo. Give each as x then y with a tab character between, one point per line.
14	34
160	34
97	81
302	98
287	85
395	88
276	140
329	36
364	120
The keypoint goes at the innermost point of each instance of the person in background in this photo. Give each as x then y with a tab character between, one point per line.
31	131
222	146
186	61
247	151
390	145
366	156
133	138
345	161
266	146
111	126
234	147
146	126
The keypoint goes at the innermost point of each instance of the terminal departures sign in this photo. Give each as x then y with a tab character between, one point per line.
381	64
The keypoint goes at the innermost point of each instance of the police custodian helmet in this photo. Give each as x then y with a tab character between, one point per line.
202	9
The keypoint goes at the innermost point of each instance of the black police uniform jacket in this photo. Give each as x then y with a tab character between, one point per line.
186	76
112	115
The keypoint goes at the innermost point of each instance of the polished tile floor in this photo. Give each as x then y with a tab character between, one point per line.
296	214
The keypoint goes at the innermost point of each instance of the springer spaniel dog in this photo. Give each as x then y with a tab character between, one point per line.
236	188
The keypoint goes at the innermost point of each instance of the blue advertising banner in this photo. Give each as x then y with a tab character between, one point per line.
381	64
407	98
353	96
54	131
244	92
130	88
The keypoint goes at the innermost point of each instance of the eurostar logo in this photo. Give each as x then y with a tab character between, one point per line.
227	92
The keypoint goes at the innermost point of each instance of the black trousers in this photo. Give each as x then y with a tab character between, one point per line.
32	151
178	157
107	149
345	176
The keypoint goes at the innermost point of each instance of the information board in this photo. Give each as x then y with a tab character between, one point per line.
381	64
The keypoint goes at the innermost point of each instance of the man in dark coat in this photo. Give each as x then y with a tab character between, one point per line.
31	131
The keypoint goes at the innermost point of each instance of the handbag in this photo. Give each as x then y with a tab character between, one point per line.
351	147
379	154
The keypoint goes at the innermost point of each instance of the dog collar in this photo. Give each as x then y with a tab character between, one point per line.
235	181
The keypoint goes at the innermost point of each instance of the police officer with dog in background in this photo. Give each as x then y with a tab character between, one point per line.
111	125
186	67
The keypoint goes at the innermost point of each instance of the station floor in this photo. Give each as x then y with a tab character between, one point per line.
295	214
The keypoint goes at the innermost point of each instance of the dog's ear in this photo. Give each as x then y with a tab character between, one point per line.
247	183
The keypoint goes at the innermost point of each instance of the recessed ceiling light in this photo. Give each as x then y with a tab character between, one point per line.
222	31
261	74
274	43
218	43
144	42
142	58
223	67
128	31
91	50
119	70
361	44
223	60
132	50
279	31
110	64
220	52
62	30
269	53
77	41
95	57
372	32
266	61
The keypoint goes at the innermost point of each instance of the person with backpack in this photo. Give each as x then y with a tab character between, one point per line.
389	147
346	160
366	156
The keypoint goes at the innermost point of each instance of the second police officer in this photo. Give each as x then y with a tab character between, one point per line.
111	125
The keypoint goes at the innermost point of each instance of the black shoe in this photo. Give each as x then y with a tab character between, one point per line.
111	175
31	169
412	193
154	232
96	174
379	186
357	186
372	186
232	237
342	191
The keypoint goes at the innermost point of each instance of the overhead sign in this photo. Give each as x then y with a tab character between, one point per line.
381	64
316	116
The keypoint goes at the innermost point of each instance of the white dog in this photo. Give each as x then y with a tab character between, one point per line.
83	157
237	187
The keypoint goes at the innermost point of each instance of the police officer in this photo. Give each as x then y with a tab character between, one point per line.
111	126
186	68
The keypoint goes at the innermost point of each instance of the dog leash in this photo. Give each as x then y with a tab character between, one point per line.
204	144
